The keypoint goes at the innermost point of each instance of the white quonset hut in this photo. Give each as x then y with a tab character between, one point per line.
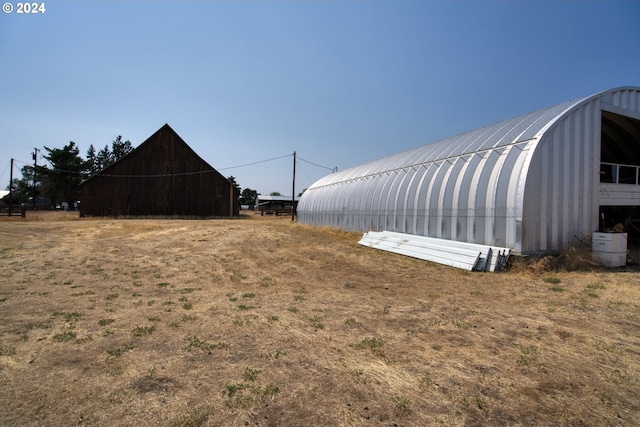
534	183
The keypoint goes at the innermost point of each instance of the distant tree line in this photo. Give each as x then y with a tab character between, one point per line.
60	180
248	196
106	157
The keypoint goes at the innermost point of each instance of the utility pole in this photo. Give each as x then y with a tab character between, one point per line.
231	194
293	190
10	187
35	172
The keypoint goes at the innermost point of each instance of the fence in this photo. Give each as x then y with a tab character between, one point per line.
13	211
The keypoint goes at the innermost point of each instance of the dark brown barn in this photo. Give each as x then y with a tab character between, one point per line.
163	176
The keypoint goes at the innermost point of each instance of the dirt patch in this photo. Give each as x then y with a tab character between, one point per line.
263	321
151	384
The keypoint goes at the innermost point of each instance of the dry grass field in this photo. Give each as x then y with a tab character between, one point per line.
264	322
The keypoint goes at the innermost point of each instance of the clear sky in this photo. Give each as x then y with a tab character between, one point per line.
340	82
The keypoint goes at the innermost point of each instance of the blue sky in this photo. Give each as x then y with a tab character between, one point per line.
340	82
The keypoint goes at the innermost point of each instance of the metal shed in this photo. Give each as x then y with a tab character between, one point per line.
163	176
535	183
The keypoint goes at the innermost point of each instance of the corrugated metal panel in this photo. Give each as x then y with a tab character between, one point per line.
467	256
560	201
464	259
530	183
458	181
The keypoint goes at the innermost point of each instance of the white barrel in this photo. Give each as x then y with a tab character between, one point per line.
609	249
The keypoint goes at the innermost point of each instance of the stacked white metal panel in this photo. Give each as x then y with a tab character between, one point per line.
468	256
529	183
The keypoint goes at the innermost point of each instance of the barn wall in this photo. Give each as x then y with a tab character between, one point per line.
163	176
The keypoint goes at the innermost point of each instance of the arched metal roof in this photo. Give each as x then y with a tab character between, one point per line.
491	185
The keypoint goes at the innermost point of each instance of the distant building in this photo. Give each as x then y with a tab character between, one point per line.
276	205
163	176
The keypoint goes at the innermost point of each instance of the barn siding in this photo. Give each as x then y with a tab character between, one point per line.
162	177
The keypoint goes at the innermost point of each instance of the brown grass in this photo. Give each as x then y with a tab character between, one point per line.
266	322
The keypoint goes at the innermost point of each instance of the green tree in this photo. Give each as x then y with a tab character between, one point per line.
232	180
275	193
92	160
248	197
103	158
107	156
120	148
61	183
23	187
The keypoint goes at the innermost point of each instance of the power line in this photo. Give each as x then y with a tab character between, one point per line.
305	174
190	173
315	164
147	176
4	171
193	173
255	163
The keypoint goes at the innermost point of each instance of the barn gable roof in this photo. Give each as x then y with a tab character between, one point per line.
152	144
163	176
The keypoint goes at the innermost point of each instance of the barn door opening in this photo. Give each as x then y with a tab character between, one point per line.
620	174
620	149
